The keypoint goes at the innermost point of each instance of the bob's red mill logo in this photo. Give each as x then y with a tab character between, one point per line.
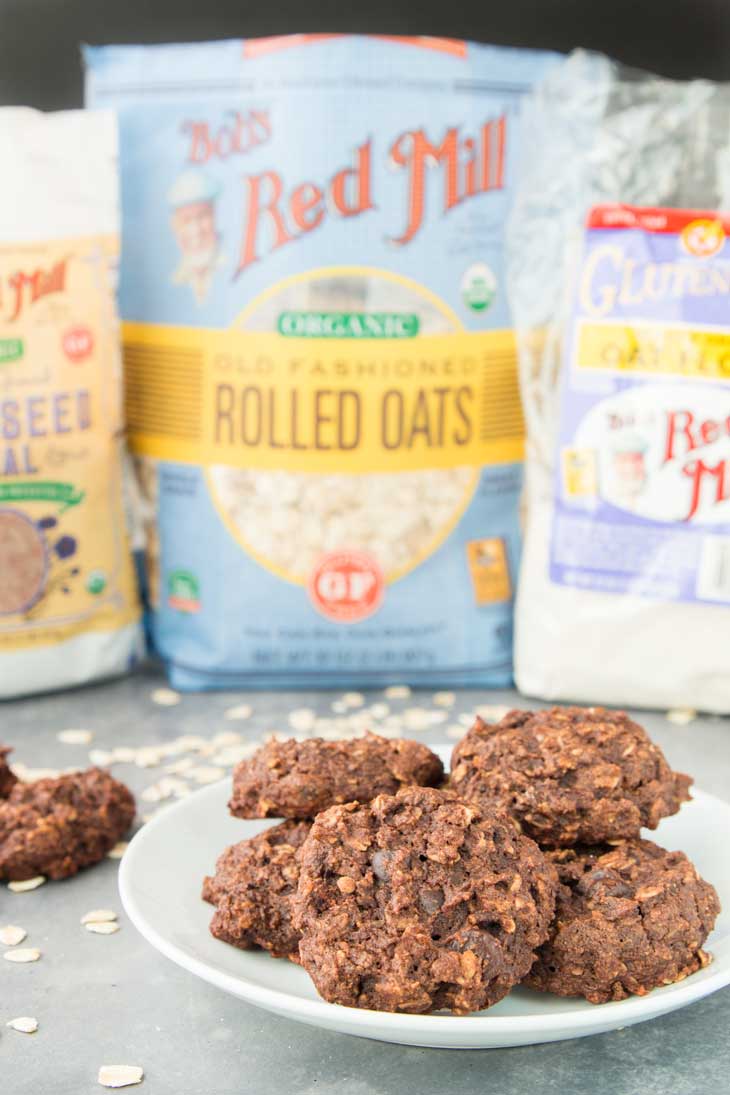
21	288
276	212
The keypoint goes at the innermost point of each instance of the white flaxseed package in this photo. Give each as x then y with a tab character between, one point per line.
321	377
619	272
68	607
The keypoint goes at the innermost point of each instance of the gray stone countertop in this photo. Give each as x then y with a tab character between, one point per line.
113	999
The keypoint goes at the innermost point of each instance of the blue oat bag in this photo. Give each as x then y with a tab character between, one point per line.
321	388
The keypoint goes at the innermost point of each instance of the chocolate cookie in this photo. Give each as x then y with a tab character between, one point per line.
569	775
253	887
8	779
297	779
54	827
628	919
417	902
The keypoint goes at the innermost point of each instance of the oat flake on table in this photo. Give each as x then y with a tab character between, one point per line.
25	1024
240	711
103	927
22	955
11	935
118	850
98	916
120	1075
75	737
165	697
27	884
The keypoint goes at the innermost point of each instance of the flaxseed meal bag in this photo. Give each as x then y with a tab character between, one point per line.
321	381
619	272
68	607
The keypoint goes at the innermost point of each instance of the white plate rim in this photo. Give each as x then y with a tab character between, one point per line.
321	1013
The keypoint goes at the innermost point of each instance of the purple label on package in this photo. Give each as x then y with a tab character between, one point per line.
642	492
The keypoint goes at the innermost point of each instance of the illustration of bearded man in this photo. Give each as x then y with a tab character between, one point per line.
192	200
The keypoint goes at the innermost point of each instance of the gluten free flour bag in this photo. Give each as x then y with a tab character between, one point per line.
620	282
68	609
321	380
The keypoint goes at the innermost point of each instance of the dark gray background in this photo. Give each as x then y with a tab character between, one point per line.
39	57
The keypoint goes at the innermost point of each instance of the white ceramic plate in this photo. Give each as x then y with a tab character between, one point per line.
160	880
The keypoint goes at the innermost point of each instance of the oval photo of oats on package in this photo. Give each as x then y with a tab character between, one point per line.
23	562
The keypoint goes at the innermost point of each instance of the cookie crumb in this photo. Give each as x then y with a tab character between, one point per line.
120	1075
118	850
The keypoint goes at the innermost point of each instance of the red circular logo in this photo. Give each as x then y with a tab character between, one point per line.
346	586
78	342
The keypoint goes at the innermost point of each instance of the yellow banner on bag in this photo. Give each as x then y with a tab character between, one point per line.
263	400
655	349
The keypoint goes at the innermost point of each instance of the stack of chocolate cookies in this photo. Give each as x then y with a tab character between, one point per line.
582	782
392	893
399	891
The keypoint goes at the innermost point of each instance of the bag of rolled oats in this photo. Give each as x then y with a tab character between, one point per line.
68	606
321	386
619	266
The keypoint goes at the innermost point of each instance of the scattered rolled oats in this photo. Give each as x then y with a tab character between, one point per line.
149	756
455	731
100	757
206	774
681	716
26	1024
75	737
240	711
353	699
22	954
98	916
120	1075
397	692
102	927
179	766
379	710
339	707
124	754
444	699
302	718
191	743
165	697
11	935
226	737
493	712
27	884
118	850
